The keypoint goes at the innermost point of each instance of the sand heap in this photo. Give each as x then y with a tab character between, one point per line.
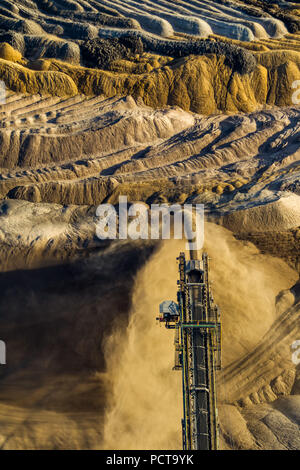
7	52
67	155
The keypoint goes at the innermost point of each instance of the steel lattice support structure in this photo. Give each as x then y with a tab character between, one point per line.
196	321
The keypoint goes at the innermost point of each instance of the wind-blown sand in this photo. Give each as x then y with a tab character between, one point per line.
70	349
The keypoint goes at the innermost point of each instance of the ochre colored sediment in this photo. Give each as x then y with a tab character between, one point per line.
202	84
23	80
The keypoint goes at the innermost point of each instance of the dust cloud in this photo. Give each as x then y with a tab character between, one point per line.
245	284
144	400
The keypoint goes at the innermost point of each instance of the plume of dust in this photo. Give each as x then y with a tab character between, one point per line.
245	284
145	397
146	407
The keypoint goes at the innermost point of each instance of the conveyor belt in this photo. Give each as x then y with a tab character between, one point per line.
196	321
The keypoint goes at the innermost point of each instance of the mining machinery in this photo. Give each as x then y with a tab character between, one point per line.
196	321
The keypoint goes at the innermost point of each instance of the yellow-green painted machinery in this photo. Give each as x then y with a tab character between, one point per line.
196	321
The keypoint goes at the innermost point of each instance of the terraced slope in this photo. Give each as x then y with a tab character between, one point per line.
84	150
231	18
